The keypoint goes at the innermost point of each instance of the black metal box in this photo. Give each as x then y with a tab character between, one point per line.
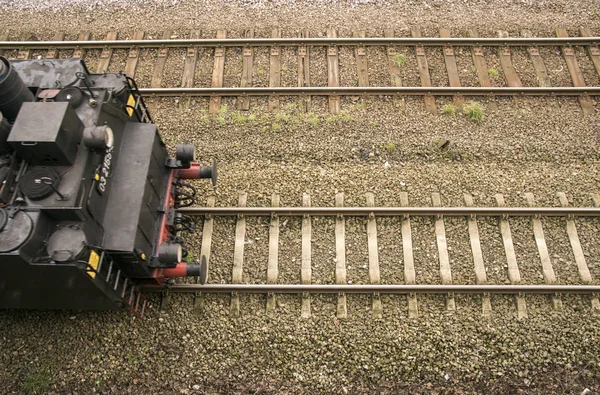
46	133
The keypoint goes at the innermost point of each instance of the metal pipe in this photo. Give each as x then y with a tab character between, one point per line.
370	288
293	41
395	211
376	90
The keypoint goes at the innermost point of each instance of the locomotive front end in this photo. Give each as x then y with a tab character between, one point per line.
88	191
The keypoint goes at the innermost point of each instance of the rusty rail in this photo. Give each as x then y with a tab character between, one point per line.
294	41
396	211
379	90
381	288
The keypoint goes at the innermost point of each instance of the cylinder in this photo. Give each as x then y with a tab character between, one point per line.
13	92
4	132
185	153
195	171
98	137
184	269
170	253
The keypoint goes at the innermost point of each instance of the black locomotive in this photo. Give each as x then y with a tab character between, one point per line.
88	193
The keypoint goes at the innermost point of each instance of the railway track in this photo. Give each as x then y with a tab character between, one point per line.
304	45
406	262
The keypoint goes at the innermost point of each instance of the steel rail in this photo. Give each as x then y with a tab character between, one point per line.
395	211
372	90
381	288
293	41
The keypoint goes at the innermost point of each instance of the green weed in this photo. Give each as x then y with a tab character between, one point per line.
37	381
238	118
344	116
190	257
474	111
400	60
389	147
449	109
313	119
282	118
493	73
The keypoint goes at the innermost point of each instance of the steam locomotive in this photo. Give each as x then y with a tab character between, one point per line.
88	192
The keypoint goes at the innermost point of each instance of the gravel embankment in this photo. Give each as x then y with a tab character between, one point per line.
100	15
176	351
387	146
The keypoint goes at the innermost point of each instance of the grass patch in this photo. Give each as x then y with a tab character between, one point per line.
389	147
238	118
276	127
282	118
474	111
449	109
190	258
37	381
344	116
313	119
399	60
493	73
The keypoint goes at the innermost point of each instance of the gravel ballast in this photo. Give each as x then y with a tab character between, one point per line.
381	145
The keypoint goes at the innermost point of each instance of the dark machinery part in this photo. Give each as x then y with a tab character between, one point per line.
3	218
170	253
98	137
66	243
4	131
197	171
39	183
15	232
72	94
210	172
13	92
47	133
185	153
88	192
